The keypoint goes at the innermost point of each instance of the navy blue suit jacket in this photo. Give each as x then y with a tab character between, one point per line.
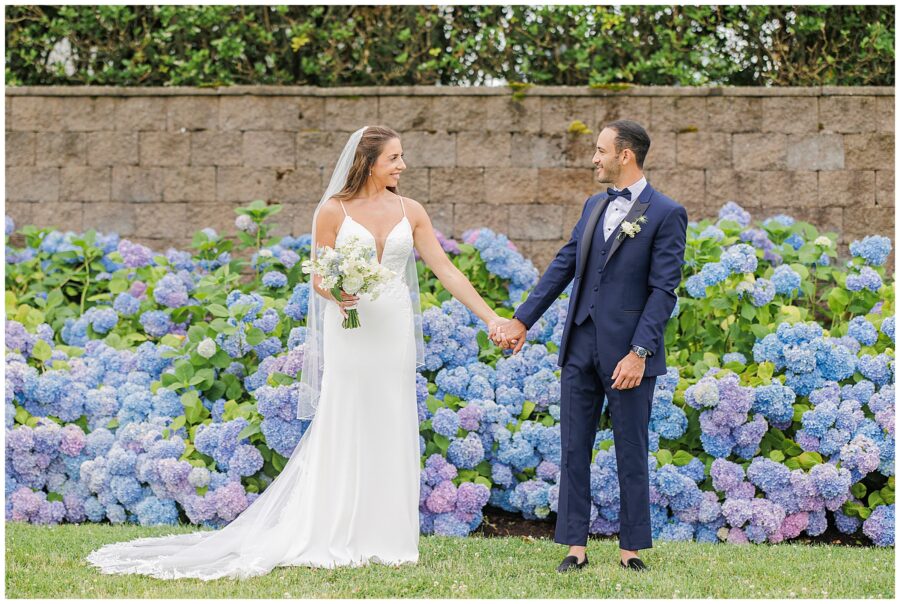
636	293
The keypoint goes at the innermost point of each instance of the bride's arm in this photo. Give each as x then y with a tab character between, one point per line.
436	259
327	223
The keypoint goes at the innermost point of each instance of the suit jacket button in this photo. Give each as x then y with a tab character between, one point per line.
592	306
596	289
602	252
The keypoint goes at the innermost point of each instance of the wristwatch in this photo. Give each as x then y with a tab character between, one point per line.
640	351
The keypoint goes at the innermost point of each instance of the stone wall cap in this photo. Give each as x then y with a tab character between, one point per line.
528	91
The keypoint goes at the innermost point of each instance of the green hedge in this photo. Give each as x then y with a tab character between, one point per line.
451	45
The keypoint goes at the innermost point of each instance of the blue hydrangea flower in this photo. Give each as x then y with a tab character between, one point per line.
861	330
274	279
867	278
873	249
786	280
732	211
740	258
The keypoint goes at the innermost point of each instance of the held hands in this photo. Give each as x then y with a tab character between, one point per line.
628	372
508	333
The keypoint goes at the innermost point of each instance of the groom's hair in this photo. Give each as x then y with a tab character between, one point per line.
368	149
631	135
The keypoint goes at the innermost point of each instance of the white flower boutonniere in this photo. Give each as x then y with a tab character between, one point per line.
631	228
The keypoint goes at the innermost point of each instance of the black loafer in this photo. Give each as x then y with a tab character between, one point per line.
634	564
571	562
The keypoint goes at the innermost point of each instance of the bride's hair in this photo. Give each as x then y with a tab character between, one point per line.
367	151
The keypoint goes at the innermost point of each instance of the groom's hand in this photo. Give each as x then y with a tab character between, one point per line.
512	335
628	372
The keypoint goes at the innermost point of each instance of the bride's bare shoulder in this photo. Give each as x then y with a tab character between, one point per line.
331	211
415	210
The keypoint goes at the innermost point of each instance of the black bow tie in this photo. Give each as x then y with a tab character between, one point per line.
623	193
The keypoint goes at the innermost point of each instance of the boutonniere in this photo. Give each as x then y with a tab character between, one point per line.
631	228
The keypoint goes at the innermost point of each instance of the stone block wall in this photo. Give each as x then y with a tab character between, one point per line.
157	164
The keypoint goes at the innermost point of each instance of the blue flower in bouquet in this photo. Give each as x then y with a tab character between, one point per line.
873	249
867	278
861	330
740	258
786	280
732	211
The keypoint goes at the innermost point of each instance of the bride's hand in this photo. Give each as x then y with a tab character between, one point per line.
494	329
348	300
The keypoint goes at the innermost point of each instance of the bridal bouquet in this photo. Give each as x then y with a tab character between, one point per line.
352	268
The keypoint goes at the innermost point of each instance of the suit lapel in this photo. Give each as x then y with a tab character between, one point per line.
588	234
637	210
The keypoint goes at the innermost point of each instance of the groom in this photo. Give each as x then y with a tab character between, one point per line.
625	255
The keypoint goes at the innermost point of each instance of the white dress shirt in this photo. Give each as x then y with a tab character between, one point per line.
619	207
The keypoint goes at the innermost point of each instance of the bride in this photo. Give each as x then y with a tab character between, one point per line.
349	494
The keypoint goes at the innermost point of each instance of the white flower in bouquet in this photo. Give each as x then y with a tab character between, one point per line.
351	268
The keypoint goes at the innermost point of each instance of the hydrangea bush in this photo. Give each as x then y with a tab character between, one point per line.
161	388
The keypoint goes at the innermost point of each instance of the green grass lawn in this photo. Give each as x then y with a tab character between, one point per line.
48	562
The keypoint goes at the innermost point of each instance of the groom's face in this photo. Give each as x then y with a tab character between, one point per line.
607	161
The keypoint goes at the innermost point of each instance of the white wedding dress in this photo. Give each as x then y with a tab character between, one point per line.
349	494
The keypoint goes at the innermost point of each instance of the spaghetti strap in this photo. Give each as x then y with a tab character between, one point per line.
343	208
403	207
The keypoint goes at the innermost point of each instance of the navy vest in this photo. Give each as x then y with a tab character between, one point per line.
593	270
